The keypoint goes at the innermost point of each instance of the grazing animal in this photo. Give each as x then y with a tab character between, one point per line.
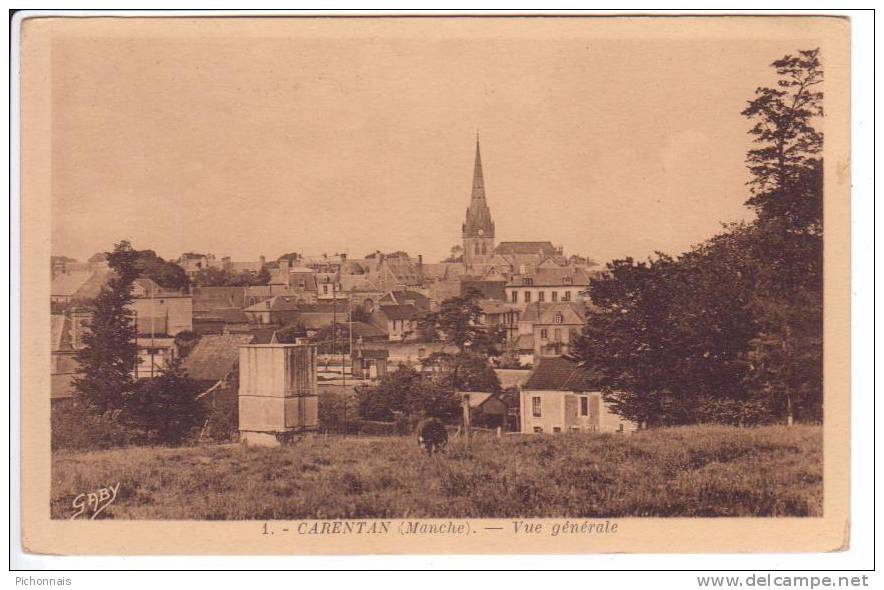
431	435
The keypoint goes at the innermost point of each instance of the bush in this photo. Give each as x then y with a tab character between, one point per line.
166	407
734	412
338	412
75	427
222	419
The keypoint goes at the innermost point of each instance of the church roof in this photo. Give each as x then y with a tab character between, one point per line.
539	248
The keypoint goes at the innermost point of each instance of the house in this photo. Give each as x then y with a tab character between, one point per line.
161	311
279	310
257	293
550	328
398	321
303	285
547	285
561	396
154	355
486	409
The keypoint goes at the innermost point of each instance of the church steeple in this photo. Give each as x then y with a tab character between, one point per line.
478	227
478	181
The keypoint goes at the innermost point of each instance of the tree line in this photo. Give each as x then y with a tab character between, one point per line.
730	331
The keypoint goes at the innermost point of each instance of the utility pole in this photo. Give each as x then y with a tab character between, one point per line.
343	358
466	417
153	315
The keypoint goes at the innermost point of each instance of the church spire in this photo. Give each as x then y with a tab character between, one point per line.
478	180
478	223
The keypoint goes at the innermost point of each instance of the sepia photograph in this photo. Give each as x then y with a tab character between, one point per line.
340	280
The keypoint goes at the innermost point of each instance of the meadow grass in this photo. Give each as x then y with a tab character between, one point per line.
689	471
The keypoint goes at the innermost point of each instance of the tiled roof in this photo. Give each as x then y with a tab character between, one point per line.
60	330
492	306
228	316
561	374
215	355
67	284
277	303
419	300
547	277
573	312
477	398
361	329
525	342
206	298
541	248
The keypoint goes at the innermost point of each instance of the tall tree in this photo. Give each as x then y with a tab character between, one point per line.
787	195
108	357
458	322
784	164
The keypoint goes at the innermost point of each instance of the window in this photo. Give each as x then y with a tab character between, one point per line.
584	406
567	296
557	335
421	352
567	280
557	429
535	407
544	333
541	296
538	429
558	318
515	296
527	296
555	295
527	281
620	428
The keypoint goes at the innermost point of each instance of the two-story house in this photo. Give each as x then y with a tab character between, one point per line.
561	396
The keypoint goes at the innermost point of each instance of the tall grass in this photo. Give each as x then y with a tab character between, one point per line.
689	471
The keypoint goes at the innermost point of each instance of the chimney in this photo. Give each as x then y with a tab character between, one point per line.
262	260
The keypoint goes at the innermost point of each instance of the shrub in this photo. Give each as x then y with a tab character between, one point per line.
222	418
166	407
75	427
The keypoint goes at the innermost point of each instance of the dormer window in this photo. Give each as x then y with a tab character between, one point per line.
568	280
527	281
558	318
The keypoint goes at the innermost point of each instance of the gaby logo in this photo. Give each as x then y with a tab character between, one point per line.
95	502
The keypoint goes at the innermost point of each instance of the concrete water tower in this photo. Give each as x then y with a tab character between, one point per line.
278	396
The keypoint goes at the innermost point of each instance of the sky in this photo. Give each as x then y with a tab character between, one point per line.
608	145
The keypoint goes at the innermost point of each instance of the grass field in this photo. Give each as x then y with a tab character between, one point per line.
690	471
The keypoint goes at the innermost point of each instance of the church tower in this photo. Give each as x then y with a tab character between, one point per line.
478	228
